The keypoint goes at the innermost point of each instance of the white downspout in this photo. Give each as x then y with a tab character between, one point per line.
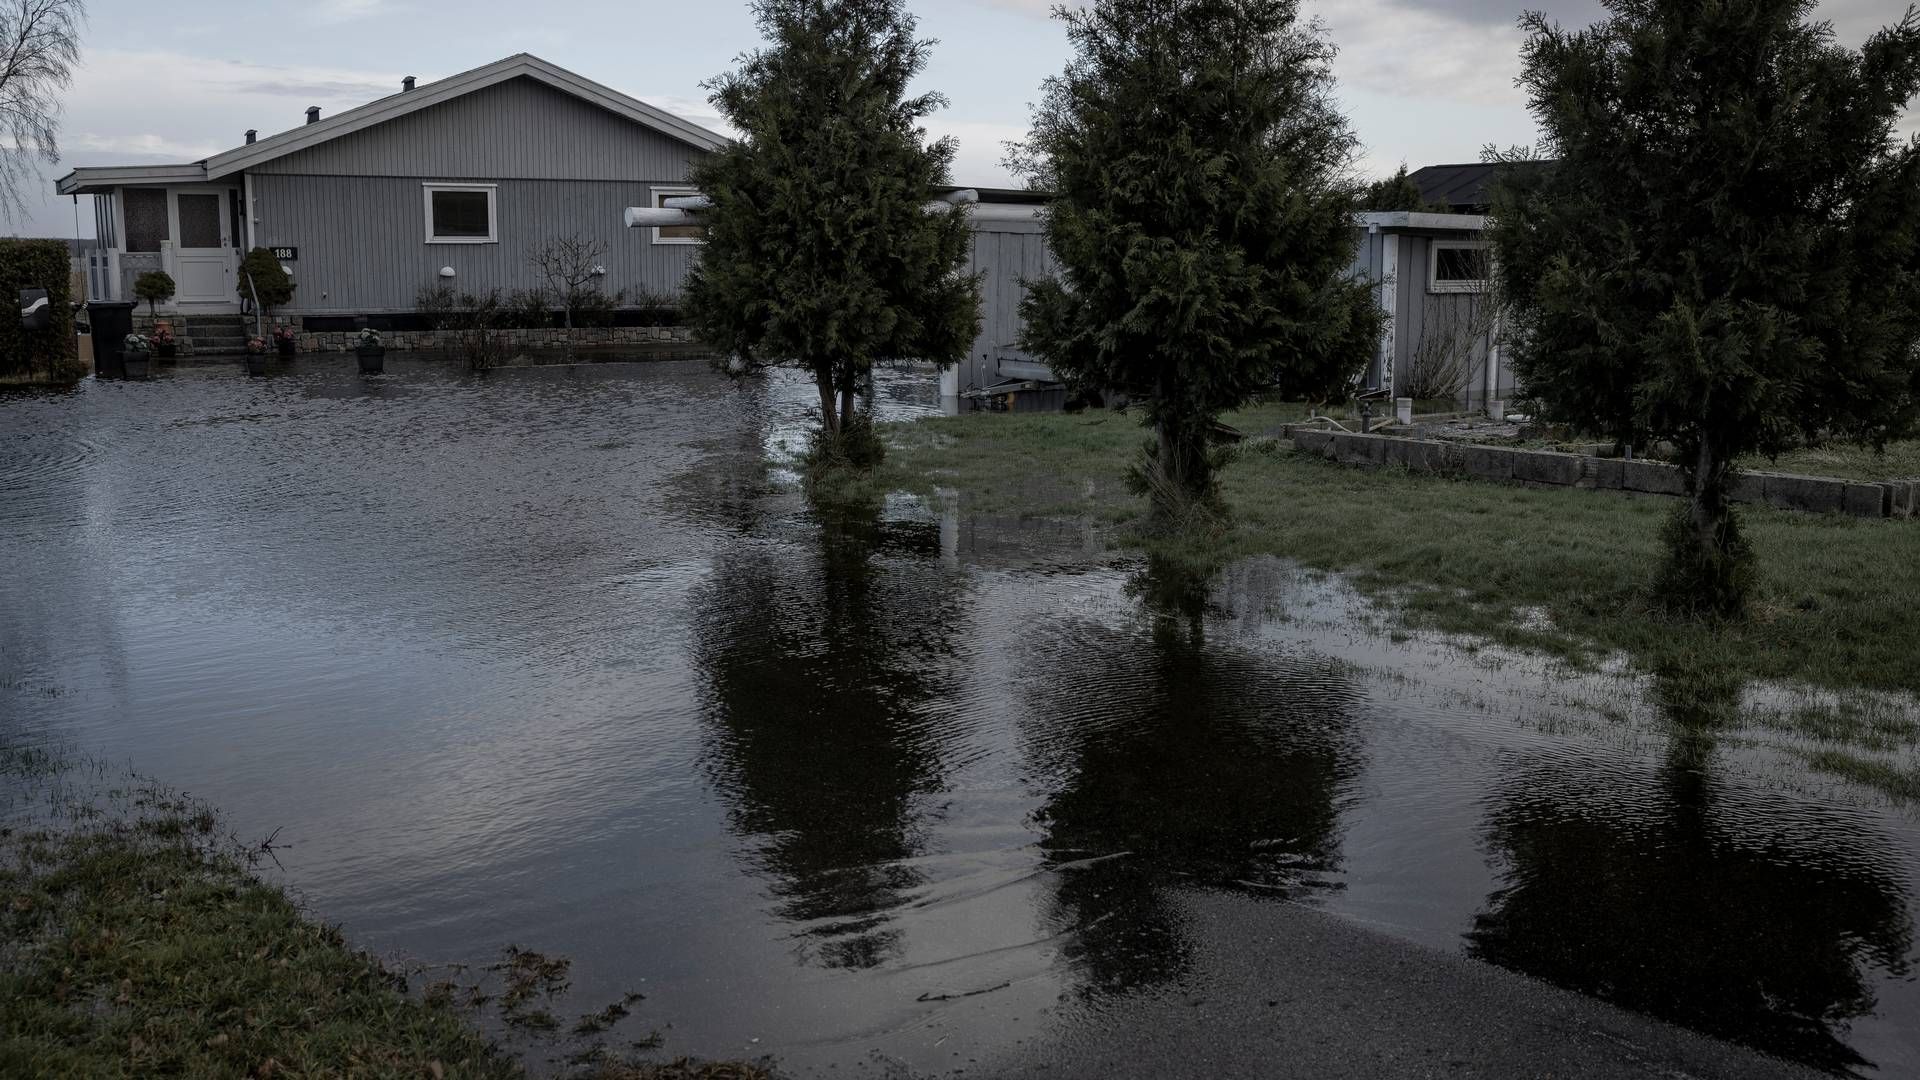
246	219
1496	408
1389	303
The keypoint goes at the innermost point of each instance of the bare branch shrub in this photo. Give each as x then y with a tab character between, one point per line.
1455	327
572	268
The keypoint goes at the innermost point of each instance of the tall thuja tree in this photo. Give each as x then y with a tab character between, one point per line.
1202	219
819	253
1724	255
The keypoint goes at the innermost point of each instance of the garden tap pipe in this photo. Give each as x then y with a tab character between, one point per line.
683	210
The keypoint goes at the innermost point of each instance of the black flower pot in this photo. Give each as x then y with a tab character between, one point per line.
166	350
256	363
139	365
373	358
285	345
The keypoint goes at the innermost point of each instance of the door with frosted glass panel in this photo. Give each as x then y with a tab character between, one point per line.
203	259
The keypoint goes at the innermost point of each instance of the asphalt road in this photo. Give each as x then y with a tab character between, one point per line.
1278	990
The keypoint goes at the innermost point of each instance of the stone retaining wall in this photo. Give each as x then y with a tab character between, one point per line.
444	340
1786	491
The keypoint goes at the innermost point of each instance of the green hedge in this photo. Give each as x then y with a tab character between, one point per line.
36	264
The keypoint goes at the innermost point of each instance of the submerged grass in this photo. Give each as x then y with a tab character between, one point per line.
1562	572
138	942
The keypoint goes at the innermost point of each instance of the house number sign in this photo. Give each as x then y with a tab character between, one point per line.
287	254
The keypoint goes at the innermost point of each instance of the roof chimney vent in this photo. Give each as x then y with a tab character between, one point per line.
313	114
406	83
250	136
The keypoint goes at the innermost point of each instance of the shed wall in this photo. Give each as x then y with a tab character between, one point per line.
1008	252
363	248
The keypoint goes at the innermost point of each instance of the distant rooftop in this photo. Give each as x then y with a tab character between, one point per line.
1461	188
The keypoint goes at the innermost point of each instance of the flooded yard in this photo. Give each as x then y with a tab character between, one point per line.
554	657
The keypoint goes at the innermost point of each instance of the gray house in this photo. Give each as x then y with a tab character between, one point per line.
1431	273
448	182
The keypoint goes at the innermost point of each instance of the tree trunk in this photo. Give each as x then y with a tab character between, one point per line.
846	407
1708	562
829	416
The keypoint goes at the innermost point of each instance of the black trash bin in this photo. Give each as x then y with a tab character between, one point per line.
112	321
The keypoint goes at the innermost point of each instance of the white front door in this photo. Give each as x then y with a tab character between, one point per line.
203	257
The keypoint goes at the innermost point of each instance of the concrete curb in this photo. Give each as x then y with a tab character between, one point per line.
1546	468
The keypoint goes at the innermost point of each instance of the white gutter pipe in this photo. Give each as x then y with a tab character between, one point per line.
682	210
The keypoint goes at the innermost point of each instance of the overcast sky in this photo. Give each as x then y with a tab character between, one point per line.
1424	81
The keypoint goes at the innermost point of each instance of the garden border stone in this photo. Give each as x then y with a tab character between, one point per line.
1785	491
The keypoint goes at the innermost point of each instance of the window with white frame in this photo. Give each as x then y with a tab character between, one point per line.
462	214
676	234
1455	266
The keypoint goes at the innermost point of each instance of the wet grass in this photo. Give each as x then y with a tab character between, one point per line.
1561	572
139	942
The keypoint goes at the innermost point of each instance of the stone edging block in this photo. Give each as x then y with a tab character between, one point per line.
1786	491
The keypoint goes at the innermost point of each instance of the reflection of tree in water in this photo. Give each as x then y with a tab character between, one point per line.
1662	901
1174	761
825	670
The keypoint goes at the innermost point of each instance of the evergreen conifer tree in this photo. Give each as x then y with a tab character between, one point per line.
819	254
1726	253
1399	192
1201	220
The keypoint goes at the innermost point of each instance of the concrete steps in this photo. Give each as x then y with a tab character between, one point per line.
212	335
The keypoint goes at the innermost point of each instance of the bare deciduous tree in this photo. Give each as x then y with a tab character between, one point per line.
571	265
39	44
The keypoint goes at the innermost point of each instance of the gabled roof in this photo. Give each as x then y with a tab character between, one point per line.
393	106
1462	188
1455	186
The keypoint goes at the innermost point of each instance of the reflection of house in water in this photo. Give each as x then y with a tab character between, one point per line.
825	673
1173	761
1678	902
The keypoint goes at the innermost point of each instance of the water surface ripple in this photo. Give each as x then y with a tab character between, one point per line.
556	657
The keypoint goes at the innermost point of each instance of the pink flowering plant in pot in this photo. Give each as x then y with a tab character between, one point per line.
284	339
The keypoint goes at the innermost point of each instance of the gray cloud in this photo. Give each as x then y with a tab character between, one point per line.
299	89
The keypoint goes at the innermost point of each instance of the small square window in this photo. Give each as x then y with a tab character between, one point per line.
461	214
1459	266
676	234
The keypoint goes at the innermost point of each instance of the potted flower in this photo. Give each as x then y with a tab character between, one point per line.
372	354
134	354
283	339
163	342
256	356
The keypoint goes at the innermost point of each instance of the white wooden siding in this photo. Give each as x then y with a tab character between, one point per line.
363	248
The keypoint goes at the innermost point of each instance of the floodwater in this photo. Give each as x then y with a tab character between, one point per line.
552	657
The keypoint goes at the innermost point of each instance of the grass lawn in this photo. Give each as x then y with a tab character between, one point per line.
1898	461
1836	604
139	943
